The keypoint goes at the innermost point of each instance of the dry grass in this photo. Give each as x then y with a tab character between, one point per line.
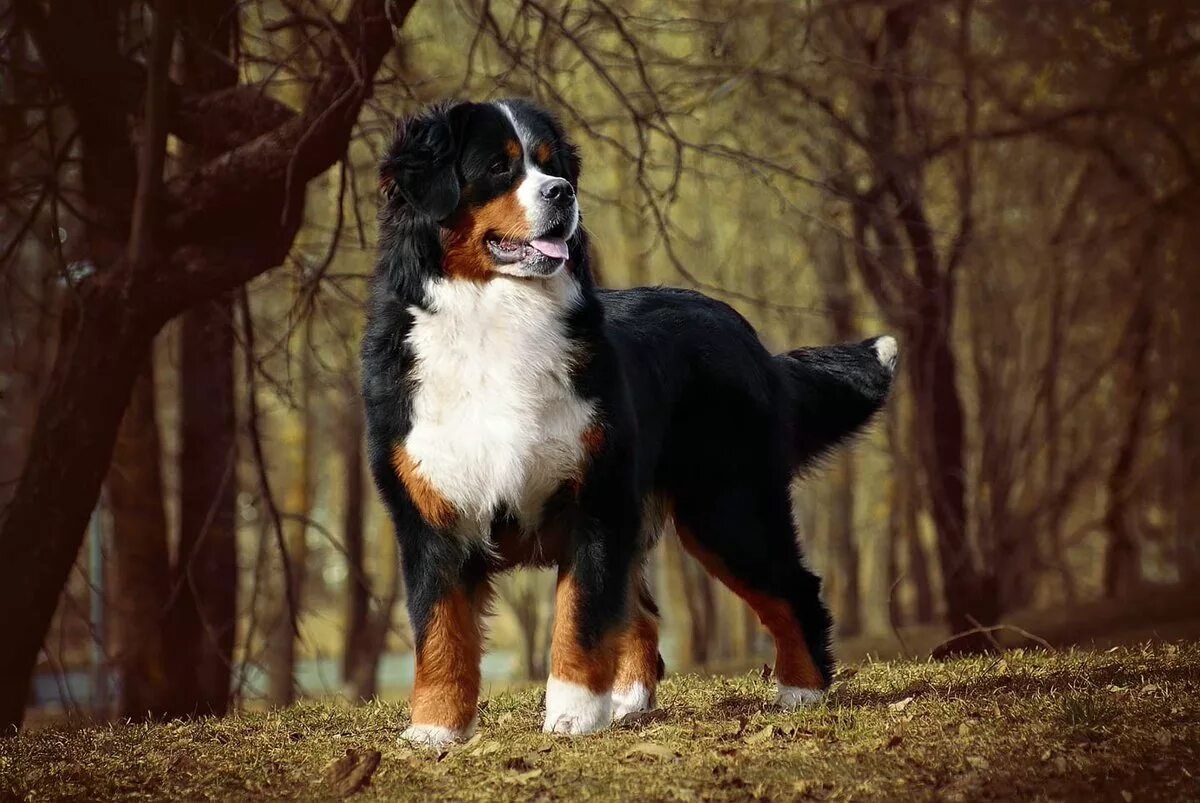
1120	725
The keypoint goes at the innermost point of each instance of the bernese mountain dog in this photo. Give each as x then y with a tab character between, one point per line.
519	415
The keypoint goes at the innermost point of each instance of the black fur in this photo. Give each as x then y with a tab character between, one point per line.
693	407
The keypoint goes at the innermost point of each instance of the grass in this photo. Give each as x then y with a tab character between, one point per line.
1118	725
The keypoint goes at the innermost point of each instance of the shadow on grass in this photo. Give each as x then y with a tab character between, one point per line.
972	684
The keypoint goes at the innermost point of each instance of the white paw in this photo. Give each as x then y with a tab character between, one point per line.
632	699
435	735
575	709
790	697
887	350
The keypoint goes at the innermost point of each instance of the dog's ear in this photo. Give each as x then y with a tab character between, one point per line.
421	167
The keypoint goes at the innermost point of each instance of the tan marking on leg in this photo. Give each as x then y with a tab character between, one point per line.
434	508
794	665
593	669
446	689
637	647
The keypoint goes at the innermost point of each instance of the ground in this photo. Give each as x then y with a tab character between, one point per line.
1122	724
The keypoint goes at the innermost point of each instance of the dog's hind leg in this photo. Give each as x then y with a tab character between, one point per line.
744	536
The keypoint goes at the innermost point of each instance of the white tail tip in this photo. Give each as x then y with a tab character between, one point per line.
887	350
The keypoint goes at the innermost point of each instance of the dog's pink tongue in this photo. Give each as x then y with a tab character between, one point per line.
551	247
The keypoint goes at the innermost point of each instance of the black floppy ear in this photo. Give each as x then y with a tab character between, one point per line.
420	168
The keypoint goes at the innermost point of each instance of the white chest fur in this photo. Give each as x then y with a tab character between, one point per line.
496	421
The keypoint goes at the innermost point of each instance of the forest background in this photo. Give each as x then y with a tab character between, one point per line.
187	205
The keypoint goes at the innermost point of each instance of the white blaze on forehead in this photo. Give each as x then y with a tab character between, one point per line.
529	192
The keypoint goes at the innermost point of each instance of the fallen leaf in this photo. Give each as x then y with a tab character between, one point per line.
1127	795
650	750
978	762
351	772
761	736
900	705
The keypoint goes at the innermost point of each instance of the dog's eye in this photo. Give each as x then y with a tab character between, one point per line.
499	167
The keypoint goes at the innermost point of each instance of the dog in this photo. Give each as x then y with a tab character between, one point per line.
519	415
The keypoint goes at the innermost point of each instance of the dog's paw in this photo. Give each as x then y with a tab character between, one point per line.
575	709
434	736
791	697
631	700
888	351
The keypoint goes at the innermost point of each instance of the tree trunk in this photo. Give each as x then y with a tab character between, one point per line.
968	593
364	680
1122	556
702	609
204	614
281	652
203	622
359	680
44	526
1187	412
918	566
141	564
108	331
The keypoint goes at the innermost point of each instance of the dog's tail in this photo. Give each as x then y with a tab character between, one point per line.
834	391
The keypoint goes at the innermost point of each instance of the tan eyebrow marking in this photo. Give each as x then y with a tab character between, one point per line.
542	153
512	148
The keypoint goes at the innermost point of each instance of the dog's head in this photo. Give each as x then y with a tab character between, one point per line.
497	178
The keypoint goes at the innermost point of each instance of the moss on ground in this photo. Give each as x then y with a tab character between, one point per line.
1070	725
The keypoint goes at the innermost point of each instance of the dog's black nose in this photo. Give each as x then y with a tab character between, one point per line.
558	189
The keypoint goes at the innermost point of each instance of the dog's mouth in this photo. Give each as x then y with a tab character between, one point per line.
538	254
510	252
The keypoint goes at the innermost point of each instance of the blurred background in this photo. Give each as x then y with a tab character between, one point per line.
187	228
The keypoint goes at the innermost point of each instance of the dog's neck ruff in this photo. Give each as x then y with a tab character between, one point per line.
497	424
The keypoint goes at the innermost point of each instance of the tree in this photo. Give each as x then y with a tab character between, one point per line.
142	574
253	195
202	620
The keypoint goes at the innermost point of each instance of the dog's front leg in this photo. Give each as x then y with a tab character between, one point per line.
591	608
446	613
